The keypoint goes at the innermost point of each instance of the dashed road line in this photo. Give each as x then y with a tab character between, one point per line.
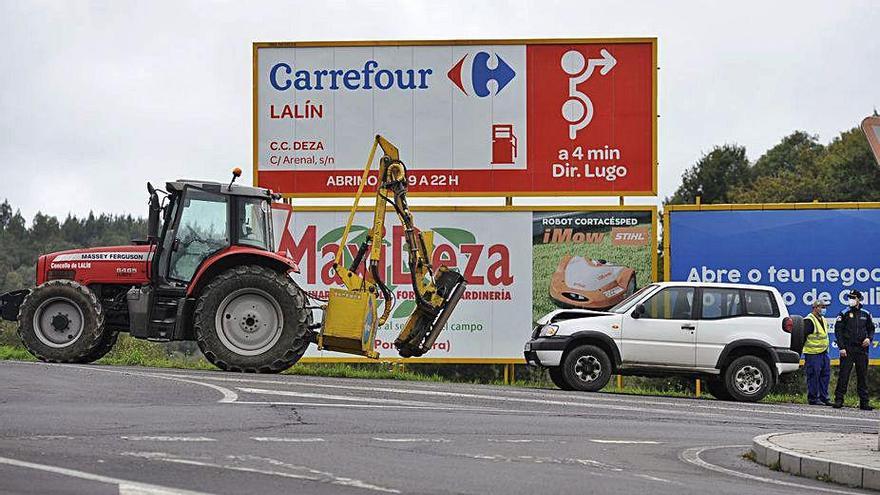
626	442
287	439
412	440
164	438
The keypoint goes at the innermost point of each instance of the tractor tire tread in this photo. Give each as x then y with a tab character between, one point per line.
203	328
95	336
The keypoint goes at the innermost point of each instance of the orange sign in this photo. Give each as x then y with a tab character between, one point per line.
871	128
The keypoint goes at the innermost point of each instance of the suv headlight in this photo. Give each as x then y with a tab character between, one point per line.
549	330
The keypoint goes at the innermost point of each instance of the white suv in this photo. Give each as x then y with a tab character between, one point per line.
738	338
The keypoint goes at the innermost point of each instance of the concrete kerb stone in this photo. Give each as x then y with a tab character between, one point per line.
770	454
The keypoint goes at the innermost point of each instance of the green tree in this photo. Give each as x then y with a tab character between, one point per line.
848	169
786	173
714	176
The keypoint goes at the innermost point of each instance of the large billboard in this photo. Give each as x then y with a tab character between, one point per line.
492	117
495	249
809	251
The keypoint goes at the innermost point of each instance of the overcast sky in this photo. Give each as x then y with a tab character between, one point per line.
96	98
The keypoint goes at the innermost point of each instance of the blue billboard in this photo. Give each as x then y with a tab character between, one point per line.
804	253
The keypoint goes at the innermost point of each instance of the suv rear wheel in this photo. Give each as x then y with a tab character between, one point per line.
748	379
558	378
586	368
716	387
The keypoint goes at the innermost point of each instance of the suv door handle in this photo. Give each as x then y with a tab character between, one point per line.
688	326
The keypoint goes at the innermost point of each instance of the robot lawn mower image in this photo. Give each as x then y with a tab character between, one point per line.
584	283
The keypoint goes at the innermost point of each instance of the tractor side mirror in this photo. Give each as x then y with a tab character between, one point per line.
638	312
153	219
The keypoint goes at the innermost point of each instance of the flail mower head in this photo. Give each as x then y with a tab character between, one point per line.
428	320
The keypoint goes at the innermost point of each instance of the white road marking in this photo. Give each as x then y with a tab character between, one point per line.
309	395
593	400
652	478
228	395
163	438
626	442
384	406
412	440
336	480
126	487
312	474
521	440
692	456
542	460
287	439
435	393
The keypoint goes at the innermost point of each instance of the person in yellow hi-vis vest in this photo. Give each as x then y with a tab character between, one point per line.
816	362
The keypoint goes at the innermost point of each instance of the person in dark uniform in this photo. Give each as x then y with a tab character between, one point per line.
853	331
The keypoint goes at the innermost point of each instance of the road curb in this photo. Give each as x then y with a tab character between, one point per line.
774	456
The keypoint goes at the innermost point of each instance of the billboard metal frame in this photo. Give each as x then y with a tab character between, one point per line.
669	209
257	45
499	209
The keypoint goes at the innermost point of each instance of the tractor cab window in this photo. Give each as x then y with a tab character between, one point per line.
254	223
203	230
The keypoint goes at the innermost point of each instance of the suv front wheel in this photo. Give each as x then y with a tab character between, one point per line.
586	368
748	379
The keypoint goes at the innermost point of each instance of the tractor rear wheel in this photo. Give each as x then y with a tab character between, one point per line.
252	319
62	321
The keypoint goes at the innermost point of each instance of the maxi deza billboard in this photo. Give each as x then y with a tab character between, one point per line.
806	252
519	264
485	117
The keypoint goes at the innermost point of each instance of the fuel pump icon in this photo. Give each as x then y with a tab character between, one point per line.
503	144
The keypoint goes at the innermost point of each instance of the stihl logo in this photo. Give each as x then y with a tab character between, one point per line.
481	74
629	236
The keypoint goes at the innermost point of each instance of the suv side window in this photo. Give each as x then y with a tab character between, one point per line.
760	303
721	303
671	303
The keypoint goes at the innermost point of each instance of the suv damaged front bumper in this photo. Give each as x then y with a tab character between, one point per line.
545	351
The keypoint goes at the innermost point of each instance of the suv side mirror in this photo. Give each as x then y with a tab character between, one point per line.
153	219
638	312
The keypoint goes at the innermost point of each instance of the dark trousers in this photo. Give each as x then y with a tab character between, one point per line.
818	370
859	358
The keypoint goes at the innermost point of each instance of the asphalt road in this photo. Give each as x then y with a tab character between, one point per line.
93	430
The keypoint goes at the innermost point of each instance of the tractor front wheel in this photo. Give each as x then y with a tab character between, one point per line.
252	319
62	321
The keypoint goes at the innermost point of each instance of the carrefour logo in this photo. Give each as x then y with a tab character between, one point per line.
282	77
481	74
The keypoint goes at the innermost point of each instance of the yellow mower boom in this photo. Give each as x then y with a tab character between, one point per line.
351	315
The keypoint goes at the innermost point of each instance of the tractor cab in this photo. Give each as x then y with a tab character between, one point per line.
206	227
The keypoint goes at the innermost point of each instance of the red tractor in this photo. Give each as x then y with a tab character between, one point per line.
208	272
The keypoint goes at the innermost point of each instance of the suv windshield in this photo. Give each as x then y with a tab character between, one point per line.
254	223
629	302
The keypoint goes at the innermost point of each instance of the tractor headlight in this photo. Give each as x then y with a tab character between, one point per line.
549	330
